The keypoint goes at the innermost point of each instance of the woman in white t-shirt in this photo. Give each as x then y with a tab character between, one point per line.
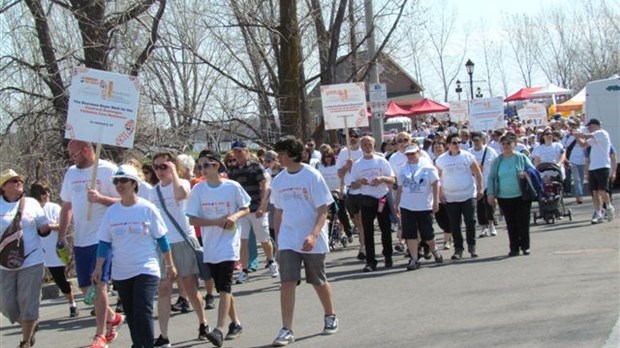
133	229
329	171
42	193
175	193
27	279
549	151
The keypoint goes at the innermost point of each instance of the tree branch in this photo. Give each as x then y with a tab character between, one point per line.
137	66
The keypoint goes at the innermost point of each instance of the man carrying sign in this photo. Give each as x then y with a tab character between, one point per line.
77	194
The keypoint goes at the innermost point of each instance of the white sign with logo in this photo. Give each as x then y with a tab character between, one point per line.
486	114
377	97
344	101
459	111
533	114
103	107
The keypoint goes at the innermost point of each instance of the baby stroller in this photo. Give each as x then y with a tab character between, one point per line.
551	201
335	233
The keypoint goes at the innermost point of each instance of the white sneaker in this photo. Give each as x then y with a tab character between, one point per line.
596	217
493	231
284	338
242	278
484	233
331	325
274	269
610	212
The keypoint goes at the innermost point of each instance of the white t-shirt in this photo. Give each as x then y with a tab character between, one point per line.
343	156
416	180
398	159
457	180
32	217
176	209
208	202
577	154
133	231
74	190
548	153
330	174
144	190
48	243
599	154
495	145
488	159
370	169
299	195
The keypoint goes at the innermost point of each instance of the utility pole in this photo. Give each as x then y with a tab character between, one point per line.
373	77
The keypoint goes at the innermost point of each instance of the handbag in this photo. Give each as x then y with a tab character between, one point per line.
530	186
12	241
203	269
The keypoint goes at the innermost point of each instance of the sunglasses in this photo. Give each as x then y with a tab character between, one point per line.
354	136
15	180
160	167
443	144
506	143
120	180
400	141
455	142
476	139
206	165
547	134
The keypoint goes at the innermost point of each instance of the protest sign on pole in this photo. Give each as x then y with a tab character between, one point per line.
344	101
533	115
103	109
459	111
486	114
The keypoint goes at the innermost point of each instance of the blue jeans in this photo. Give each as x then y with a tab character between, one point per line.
578	171
138	295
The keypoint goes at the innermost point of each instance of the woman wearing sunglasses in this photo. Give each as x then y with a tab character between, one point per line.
503	185
133	229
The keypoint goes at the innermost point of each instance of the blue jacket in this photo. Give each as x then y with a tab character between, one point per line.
523	163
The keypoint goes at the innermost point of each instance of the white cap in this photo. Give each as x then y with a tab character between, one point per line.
126	171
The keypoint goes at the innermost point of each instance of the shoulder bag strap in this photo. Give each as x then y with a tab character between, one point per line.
174	222
484	155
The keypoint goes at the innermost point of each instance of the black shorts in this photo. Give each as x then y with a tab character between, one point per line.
353	203
598	179
222	274
414	221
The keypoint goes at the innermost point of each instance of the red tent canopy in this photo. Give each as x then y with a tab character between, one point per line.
394	109
522	94
427	106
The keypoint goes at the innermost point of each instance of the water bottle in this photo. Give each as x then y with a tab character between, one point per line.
63	252
89	299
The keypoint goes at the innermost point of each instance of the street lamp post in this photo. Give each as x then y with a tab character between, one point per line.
458	89
470	70
478	93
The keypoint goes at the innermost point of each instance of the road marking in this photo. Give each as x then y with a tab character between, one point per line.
584	251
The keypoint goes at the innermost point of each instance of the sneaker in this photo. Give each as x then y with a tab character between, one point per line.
234	331
24	344
596	218
285	337
413	265
493	231
162	342
274	270
437	256
98	342
610	213
331	325
181	305
361	255
484	233
472	251
457	255
119	306
350	239
242	278
112	327
446	246
216	337
203	329
400	247
73	312
209	301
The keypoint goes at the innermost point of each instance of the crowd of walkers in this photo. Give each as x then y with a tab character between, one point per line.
143	227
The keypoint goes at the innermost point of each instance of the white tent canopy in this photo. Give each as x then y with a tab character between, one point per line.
550	91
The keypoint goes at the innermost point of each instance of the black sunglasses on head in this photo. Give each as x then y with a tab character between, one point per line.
120	180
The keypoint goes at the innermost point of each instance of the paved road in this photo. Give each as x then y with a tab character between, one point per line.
565	294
